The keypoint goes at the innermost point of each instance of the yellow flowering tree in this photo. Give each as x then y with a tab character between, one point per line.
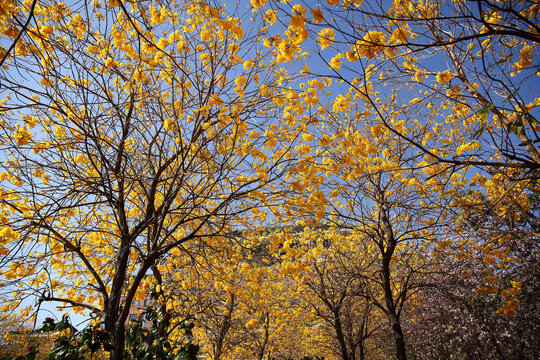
338	290
365	179
457	95
129	129
379	189
469	82
243	297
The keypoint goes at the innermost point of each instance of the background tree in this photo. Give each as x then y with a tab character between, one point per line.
379	191
271	322
472	308
242	297
127	133
479	293
205	288
15	336
336	290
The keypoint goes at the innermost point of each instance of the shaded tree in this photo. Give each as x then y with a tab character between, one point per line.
336	289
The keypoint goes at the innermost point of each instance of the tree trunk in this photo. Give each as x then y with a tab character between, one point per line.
266	336
119	342
399	340
363	337
391	308
393	317
339	334
225	326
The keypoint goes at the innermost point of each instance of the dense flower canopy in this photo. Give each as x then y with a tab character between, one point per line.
320	179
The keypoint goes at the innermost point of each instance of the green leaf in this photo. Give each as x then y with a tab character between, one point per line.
460	217
482	112
485	111
478	133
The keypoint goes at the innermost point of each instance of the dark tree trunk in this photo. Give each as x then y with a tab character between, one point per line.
340	335
391	311
119	342
225	326
391	308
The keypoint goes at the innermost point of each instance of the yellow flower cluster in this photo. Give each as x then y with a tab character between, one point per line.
370	45
467	147
341	104
22	136
525	58
400	35
335	63
326	37
252	323
257	4
9	233
270	16
298	18
510	308
444	77
6	9
317	14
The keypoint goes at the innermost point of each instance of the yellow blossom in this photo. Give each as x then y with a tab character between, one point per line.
248	64
270	16
317	15
399	35
252	323
444	77
335	63
257	4
307	137
22	136
326	37
370	45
